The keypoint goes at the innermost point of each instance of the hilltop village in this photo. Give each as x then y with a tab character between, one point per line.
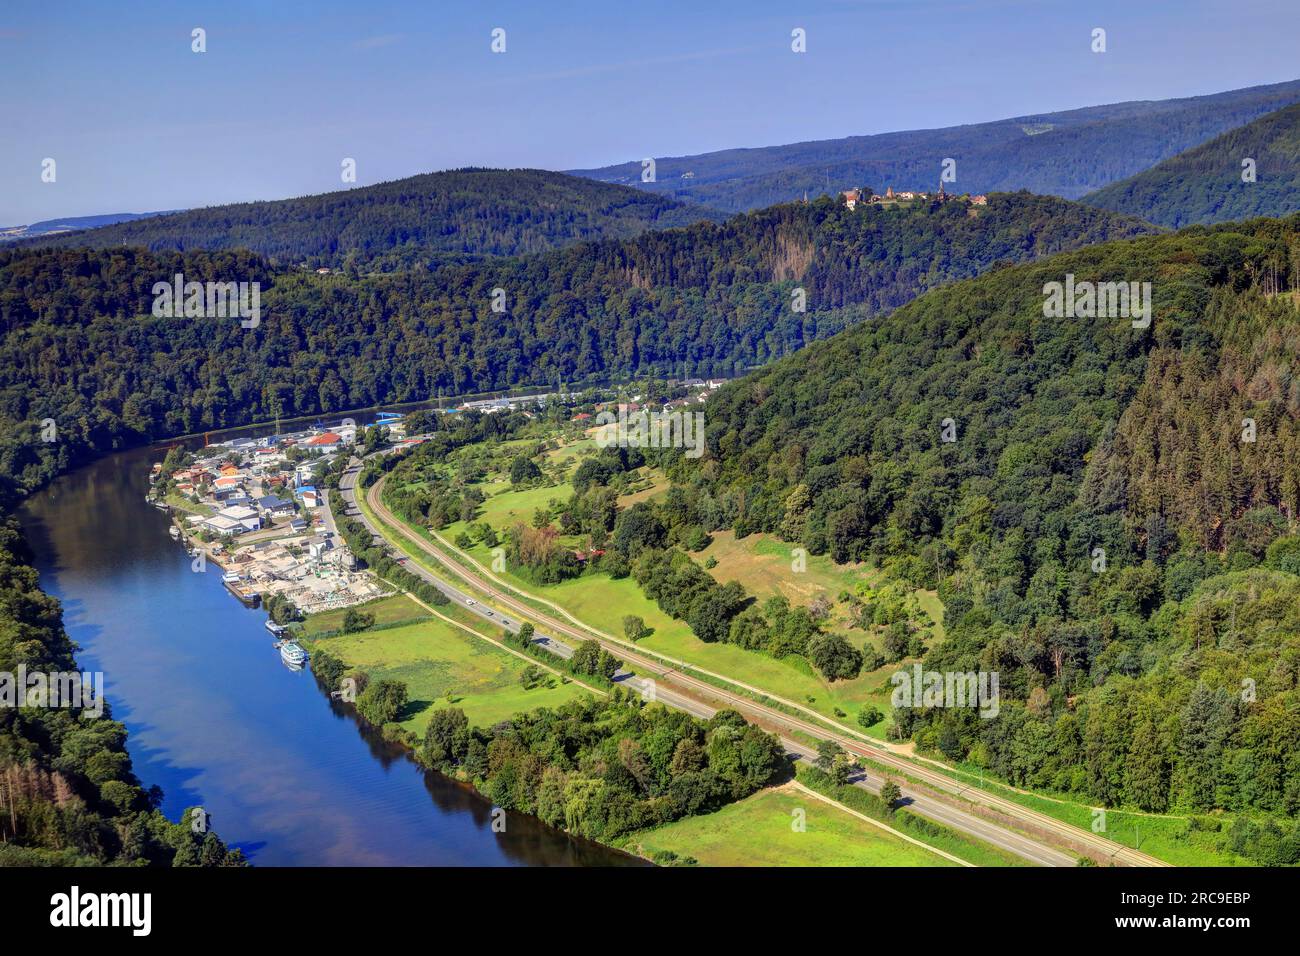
864	195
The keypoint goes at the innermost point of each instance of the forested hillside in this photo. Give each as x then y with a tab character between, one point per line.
1113	529
81	347
459	215
1069	153
1206	184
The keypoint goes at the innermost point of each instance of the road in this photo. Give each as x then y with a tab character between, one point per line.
1033	836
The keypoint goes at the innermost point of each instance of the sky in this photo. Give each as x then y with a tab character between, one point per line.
136	121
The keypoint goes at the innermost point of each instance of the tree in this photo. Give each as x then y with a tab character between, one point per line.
827	752
446	738
890	794
834	656
382	701
592	659
523	470
633	627
355	620
869	716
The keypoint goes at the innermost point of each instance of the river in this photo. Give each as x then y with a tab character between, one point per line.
216	720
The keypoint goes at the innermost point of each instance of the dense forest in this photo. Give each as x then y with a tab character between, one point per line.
81	347
1069	153
419	221
1209	183
1113	529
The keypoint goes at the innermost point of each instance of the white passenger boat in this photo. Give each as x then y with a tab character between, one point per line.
175	532
292	654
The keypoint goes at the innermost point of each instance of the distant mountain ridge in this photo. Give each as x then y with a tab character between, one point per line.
428	219
49	227
1068	153
1205	184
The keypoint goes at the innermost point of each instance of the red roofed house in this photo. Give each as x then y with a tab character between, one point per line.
328	441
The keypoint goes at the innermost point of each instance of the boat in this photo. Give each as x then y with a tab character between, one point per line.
230	577
292	654
245	597
162	506
276	629
175	532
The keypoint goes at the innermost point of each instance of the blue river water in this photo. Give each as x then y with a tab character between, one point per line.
218	721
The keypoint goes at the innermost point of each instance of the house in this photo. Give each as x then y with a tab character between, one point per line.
326	441
275	506
581	417
298	525
228	470
311	498
980	200
852	197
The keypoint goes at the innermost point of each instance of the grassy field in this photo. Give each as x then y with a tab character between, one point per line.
435	660
759	831
179	502
397	608
765	566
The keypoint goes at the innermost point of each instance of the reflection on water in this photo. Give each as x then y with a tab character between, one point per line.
217	720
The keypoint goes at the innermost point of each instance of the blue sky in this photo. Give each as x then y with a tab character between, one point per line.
136	121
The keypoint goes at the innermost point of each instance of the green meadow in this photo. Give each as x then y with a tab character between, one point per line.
761	831
395	609
443	666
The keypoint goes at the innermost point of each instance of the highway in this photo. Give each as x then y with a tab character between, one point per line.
1035	837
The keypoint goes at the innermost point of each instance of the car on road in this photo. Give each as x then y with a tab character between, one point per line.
487	612
469	602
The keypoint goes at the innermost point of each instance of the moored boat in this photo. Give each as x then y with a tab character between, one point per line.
292	654
246	597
